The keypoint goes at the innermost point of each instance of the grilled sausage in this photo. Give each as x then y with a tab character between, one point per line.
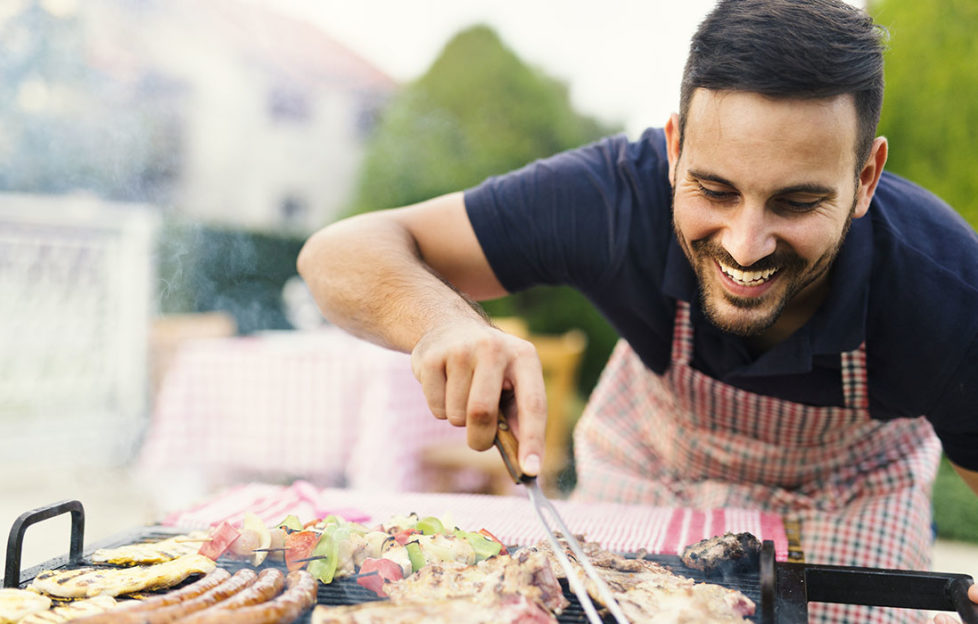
237	583
268	585
127	612
299	595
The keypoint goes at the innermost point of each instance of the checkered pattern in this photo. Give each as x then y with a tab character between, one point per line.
618	527
859	488
853	380
321	404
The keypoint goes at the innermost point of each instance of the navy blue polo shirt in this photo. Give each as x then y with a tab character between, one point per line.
598	219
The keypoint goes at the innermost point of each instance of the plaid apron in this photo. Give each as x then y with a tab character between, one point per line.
859	488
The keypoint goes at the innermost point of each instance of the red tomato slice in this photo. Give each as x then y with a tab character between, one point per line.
403	535
298	545
385	570
220	540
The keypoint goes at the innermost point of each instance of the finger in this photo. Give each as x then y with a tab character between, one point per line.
940	618
973	593
483	407
432	378
531	407
458	378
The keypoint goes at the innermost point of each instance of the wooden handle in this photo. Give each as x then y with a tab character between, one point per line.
509	448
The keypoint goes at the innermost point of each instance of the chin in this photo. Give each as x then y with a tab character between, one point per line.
741	318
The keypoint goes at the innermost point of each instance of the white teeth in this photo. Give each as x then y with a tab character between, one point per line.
747	278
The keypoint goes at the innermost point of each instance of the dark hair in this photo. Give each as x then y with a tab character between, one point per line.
790	48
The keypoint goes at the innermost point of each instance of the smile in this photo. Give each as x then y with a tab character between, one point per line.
747	278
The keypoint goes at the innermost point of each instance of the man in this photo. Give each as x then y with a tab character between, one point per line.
788	311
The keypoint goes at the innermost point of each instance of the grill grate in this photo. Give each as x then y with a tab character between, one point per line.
786	587
348	592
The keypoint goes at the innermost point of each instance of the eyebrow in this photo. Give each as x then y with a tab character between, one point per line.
809	188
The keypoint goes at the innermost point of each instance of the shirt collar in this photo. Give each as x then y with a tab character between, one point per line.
838	325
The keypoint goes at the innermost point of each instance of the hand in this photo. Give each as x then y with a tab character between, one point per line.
943	618
465	368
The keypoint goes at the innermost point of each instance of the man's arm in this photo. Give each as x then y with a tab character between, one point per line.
397	278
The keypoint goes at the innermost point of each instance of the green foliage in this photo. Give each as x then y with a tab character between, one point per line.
480	111
930	114
955	506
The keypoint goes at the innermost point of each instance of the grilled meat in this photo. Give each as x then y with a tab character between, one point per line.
526	573
650	592
729	552
88	582
150	552
71	611
299	596
16	604
508	609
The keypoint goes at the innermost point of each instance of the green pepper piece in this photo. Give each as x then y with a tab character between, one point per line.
430	525
482	545
415	555
328	547
291	523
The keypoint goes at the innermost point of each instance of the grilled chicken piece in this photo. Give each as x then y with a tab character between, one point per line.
71	611
16	604
507	609
525	574
88	582
150	552
649	592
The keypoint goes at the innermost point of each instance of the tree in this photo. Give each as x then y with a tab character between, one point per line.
480	111
930	113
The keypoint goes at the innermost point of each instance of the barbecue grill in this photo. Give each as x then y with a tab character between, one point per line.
781	590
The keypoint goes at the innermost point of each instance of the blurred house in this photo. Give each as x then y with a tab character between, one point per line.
114	113
219	110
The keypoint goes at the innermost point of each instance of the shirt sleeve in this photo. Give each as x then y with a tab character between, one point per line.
564	219
955	419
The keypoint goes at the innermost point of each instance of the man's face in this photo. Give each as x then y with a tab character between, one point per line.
763	193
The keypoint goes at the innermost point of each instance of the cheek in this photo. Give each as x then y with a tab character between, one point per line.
694	220
811	240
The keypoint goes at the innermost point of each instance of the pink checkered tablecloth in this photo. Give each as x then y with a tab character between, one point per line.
319	405
618	527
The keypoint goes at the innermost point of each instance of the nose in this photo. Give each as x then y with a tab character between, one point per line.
748	234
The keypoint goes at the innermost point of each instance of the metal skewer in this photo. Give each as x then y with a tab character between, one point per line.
508	447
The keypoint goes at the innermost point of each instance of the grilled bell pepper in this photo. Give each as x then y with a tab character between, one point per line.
415	555
328	547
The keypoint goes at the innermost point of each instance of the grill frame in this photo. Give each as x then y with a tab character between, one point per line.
781	590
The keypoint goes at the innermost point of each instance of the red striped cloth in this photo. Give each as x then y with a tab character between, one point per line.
617	527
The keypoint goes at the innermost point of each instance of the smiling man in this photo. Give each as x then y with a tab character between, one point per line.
798	327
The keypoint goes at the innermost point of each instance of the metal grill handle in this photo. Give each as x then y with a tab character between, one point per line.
15	542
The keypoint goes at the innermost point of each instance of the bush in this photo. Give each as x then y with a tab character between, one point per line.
205	268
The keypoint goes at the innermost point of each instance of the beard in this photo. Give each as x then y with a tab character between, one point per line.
755	315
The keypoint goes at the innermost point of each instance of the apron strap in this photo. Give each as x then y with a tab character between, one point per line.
682	335
854	378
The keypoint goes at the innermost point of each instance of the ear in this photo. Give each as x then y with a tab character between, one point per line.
869	177
672	144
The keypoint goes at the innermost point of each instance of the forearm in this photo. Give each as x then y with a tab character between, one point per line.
368	277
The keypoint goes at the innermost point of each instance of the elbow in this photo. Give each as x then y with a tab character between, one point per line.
311	254
304	261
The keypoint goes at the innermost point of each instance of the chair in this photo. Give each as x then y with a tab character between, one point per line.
455	466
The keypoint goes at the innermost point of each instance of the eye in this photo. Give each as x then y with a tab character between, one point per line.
793	205
714	194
